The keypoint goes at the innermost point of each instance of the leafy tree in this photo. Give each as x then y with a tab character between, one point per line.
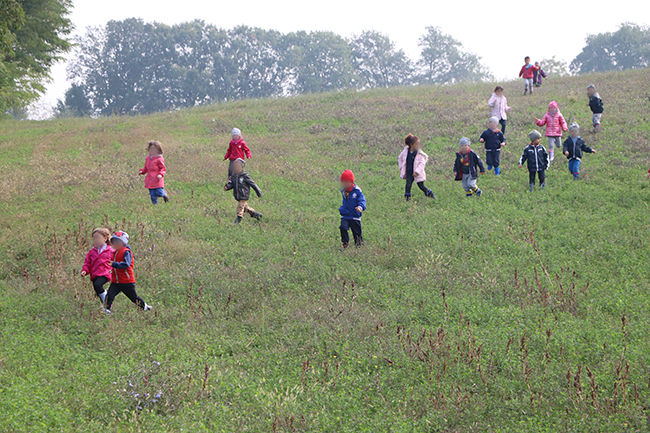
378	62
443	60
626	48
555	67
75	104
32	39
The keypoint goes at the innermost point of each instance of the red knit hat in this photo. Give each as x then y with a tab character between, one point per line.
347	176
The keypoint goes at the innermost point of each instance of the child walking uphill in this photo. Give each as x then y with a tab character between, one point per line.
493	140
467	166
527	72
97	263
538	75
412	161
574	146
123	278
154	171
499	107
555	125
241	183
354	203
537	159
237	149
596	106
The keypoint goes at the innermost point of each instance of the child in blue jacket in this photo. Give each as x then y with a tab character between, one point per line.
354	203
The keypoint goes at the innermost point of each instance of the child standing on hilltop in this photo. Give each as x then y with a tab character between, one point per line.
493	140
499	107
538	75
596	105
123	278
154	171
354	203
555	125
573	148
467	167
527	73
237	149
97	263
537	159
241	183
411	162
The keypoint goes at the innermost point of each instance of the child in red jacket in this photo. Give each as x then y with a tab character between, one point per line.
123	278
97	263
154	169
527	72
237	149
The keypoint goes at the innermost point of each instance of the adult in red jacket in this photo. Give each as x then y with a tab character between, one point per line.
527	72
237	149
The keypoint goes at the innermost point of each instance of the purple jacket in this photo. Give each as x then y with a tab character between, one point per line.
537	76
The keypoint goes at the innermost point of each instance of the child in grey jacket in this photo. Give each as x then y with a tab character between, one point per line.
241	183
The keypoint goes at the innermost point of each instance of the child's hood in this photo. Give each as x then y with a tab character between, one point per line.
234	143
555	105
595	95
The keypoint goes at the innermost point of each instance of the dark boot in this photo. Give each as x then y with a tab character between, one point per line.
345	246
430	194
407	197
256	215
166	198
237	220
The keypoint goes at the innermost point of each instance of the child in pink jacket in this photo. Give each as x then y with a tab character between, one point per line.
154	171
555	126
411	165
98	260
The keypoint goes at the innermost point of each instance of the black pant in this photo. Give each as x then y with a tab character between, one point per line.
128	289
502	122
98	285
355	226
409	184
493	158
540	174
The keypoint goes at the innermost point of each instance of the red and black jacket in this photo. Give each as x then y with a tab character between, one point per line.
123	266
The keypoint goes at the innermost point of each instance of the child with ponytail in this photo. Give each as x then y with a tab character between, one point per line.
412	162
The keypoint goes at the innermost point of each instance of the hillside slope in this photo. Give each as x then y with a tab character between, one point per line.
512	312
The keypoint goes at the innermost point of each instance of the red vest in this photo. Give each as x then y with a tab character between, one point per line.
123	276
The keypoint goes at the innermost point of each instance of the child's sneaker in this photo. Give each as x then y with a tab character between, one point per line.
478	192
497	171
106	310
468	194
407	197
256	215
147	307
166	198
430	194
552	154
345	246
237	220
531	187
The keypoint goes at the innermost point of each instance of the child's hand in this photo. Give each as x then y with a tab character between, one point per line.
84	273
225	188
503	144
160	176
566	153
482	172
140	172
110	263
536	119
509	109
415	174
648	176
520	165
594	151
481	140
358	209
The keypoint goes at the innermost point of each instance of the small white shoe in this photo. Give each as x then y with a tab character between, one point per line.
147	307
106	310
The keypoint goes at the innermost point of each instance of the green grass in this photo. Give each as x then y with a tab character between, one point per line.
514	312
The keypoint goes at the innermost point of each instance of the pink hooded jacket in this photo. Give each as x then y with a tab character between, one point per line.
418	165
499	106
153	166
96	263
555	124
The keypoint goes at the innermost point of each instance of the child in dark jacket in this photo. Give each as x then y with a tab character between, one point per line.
493	139
596	106
237	149
574	146
537	157
354	203
97	263
467	166
241	183
123	278
538	75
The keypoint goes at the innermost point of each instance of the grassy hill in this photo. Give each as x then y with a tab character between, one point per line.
513	312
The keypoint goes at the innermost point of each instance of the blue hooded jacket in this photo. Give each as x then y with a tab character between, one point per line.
355	199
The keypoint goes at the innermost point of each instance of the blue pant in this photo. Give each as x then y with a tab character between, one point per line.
574	166
154	193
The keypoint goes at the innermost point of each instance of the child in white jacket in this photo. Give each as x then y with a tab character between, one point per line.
411	165
499	107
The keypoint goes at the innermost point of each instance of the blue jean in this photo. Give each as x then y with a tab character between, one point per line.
154	193
574	166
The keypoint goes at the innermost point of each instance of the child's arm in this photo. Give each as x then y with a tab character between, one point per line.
563	124
524	157
128	259
362	202
541	71
542	121
229	185
492	101
228	152
479	162
161	170
548	160
587	149
253	185
85	270
523	68
144	169
249	155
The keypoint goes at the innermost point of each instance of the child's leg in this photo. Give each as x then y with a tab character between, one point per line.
497	162
542	177
471	186
488	159
345	226
98	285
242	205
531	178
426	190
409	185
356	232
153	196
503	123
129	291
466	187
230	168
530	85
113	290
596	121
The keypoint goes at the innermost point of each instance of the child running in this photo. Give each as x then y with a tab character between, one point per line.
527	73
493	140
555	125
354	203
237	149
499	107
154	169
241	183
97	263
467	167
538	75
537	159
596	105
123	279
411	162
574	146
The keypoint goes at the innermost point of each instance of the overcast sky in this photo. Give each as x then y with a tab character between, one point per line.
501	32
